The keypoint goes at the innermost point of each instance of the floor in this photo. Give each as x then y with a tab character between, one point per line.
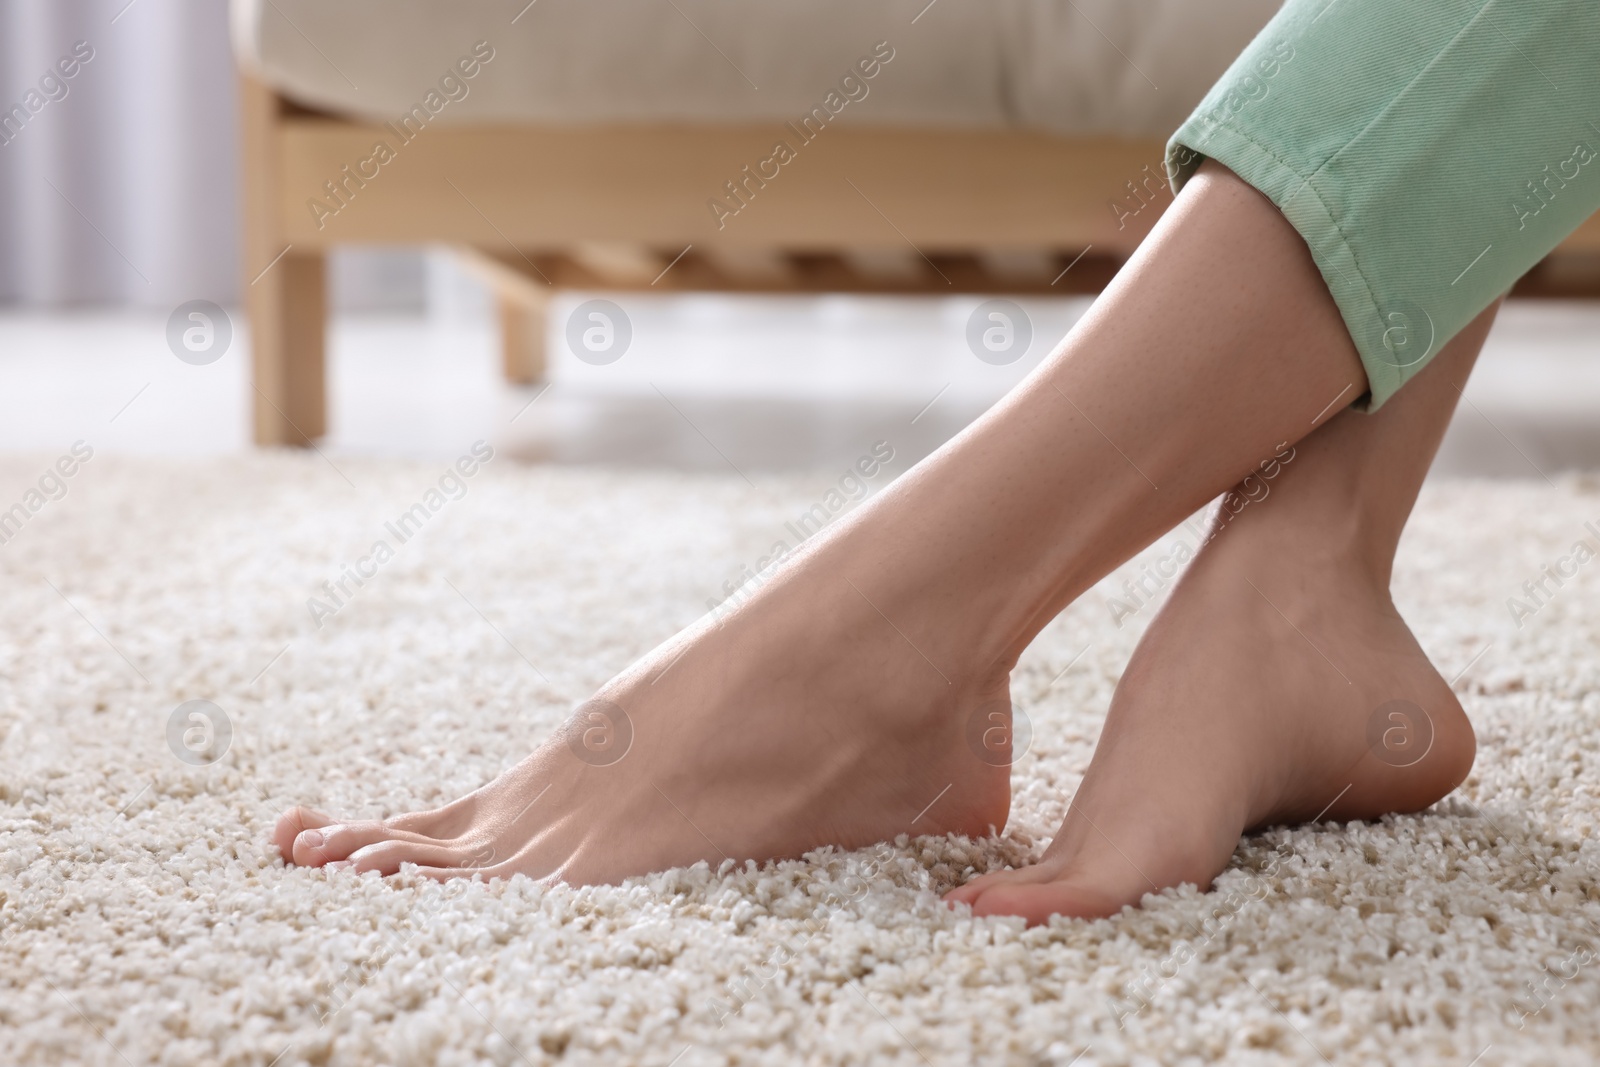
144	918
749	384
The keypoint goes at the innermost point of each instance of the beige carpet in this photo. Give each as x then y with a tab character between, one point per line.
146	919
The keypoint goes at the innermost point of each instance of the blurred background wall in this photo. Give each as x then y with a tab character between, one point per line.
118	202
123	191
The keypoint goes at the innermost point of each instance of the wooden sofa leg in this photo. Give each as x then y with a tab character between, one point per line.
288	324
522	326
283	286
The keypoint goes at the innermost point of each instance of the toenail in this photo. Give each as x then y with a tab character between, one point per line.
311	838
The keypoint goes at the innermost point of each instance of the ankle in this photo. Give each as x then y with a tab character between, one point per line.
1343	542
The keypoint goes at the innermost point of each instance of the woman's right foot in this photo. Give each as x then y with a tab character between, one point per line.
831	709
1277	685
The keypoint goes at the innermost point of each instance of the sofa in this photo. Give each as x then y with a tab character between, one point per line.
838	145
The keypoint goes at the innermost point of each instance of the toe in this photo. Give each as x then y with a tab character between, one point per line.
291	824
969	893
1036	893
490	863
385	857
1037	902
331	842
489	871
965	894
442	824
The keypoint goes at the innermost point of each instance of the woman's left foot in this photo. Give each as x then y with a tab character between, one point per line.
1277	685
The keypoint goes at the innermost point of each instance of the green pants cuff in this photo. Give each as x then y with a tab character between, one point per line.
1427	158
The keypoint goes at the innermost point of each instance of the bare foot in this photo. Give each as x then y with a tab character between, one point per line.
807	718
1277	685
837	706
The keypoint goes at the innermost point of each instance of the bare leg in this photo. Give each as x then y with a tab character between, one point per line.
833	706
1251	699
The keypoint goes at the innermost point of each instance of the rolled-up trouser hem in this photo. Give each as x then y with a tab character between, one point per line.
1297	197
1423	154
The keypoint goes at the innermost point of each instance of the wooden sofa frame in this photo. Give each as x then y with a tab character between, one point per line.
533	209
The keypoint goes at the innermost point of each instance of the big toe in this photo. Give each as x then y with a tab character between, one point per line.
386	857
980	886
293	823
1035	895
1037	902
334	842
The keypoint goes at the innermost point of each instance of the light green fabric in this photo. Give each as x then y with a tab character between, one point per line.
1428	152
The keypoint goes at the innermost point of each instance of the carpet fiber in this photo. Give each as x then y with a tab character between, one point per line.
147	920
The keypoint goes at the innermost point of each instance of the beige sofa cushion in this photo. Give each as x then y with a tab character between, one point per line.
1128	67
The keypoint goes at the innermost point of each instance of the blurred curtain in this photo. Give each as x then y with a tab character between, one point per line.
121	188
